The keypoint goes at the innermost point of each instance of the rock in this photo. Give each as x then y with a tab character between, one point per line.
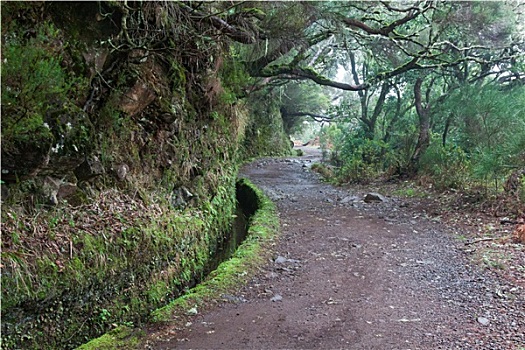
484	321
409	320
180	197
55	190
90	168
374	197
95	59
138	56
271	275
280	260
349	199
66	190
233	298
122	171
50	189
61	166
277	297
137	98
71	193
193	311
293	261
35	155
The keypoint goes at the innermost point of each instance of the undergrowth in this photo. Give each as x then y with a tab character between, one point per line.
122	259
227	278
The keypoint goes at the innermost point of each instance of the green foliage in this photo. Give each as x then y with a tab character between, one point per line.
325	171
490	128
34	85
409	192
235	80
177	77
265	132
359	158
307	132
448	166
296	98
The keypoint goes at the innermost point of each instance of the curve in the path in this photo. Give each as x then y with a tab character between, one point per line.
352	275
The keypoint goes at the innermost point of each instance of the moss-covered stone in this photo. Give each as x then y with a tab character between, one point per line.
120	338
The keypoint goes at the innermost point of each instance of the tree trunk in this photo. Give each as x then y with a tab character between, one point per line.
396	116
447	128
369	122
423	113
372	121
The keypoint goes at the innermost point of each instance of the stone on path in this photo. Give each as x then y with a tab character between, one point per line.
374	197
280	260
277	297
484	321
349	199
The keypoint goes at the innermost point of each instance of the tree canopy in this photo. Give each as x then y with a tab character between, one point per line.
408	74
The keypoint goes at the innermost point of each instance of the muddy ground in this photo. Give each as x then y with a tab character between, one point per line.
347	274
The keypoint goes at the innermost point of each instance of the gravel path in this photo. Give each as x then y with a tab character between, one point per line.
354	275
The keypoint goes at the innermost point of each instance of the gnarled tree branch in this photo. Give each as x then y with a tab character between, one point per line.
314	116
307	73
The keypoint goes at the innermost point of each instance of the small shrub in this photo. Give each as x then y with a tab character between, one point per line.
38	95
322	169
362	159
447	167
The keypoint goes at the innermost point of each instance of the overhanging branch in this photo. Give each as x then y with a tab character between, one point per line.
314	116
233	32
307	73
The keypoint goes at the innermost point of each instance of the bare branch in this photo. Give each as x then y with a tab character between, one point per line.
388	31
307	73
316	117
231	31
394	9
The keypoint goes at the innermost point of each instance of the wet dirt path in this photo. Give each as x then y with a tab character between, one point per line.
353	275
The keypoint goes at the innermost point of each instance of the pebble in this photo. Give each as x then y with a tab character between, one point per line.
276	297
280	260
484	321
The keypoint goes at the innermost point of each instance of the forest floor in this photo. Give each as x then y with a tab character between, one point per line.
404	273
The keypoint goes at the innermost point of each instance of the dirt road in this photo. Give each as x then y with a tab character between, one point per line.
347	274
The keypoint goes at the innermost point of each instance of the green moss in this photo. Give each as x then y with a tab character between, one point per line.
234	77
177	77
158	291
123	276
265	134
121	337
237	270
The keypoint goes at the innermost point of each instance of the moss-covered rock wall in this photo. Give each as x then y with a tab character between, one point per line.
265	133
120	143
